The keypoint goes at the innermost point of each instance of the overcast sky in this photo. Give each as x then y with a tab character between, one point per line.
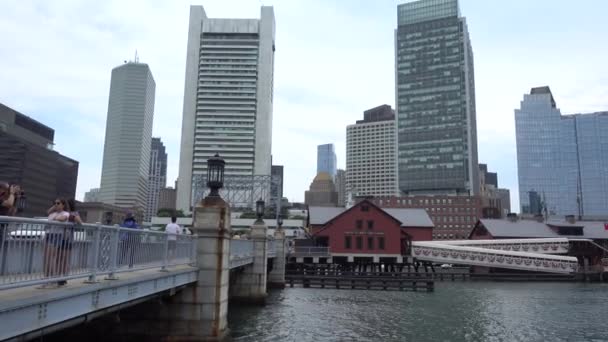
334	59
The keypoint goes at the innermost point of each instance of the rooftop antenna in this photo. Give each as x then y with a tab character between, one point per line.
136	57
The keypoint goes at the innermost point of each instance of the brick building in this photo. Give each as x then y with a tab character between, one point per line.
453	216
366	230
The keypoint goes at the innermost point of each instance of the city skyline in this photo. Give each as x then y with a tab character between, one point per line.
69	91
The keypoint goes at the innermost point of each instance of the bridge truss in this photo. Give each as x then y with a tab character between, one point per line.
240	192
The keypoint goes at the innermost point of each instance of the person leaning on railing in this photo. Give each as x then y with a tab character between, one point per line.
56	243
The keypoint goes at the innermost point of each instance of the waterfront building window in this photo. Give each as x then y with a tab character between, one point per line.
364	208
359	224
370	243
370	224
381	243
347	242
359	241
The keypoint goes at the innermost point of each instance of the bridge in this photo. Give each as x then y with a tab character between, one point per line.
521	254
538	255
109	268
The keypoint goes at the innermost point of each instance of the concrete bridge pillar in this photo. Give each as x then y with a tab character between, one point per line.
276	277
199	312
250	286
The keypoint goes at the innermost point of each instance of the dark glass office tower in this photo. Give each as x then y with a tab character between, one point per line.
435	95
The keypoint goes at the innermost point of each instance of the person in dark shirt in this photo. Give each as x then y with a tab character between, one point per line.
129	240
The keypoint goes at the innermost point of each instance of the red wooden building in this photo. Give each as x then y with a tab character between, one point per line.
368	230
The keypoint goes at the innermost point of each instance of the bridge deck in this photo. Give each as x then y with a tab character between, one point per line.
34	311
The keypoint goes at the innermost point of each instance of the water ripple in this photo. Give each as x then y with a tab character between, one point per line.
454	312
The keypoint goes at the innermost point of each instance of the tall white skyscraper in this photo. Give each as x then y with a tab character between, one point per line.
371	162
126	154
227	98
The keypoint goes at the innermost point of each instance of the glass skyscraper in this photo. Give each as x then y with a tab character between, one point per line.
435	92
326	159
562	161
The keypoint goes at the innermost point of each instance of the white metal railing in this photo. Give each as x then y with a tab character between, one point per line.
36	251
543	246
241	252
443	253
310	251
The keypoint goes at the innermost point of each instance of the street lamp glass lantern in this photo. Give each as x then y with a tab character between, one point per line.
215	174
280	221
259	208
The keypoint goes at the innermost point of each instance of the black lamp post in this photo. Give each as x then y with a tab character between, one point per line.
215	175
280	222
259	211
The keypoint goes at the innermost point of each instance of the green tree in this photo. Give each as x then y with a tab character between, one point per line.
248	215
167	212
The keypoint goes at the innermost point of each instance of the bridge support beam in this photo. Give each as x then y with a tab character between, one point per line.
276	277
250	286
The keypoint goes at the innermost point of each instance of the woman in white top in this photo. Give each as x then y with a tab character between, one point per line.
55	244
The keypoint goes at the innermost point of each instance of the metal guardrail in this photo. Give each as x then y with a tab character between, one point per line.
436	252
310	251
241	251
34	251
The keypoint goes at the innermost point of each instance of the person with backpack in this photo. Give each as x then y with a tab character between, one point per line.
129	240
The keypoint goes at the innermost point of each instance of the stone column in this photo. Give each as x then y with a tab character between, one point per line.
200	311
276	277
250	285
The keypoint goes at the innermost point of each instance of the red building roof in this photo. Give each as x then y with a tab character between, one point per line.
368	229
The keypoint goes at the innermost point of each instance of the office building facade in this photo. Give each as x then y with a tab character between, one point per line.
157	178
276	187
454	217
166	198
126	153
322	192
371	168
227	99
27	159
495	202
92	195
326	159
435	96
560	158
341	187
